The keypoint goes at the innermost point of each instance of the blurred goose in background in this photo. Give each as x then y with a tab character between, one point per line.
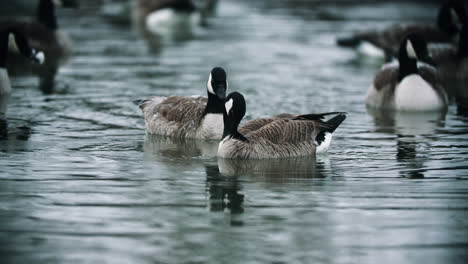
42	34
23	47
28	8
452	60
169	17
408	85
387	41
188	117
281	136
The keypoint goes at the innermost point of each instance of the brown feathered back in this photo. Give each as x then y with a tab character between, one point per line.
177	116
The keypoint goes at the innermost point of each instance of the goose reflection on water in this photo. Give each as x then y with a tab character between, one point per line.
414	133
275	170
223	191
176	148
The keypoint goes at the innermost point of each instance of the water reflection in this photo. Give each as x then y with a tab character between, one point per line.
274	170
458	90
223	192
10	135
157	146
414	133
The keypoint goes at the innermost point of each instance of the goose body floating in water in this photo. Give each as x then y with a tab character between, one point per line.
171	18
188	117
411	84
281	136
386	42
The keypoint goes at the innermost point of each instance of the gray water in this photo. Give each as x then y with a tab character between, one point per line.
80	182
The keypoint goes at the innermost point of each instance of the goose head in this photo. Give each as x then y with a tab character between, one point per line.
413	48
452	16
217	83
233	113
21	42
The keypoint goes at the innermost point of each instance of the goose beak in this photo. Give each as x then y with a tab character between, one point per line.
221	92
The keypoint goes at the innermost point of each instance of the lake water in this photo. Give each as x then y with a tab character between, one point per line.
80	182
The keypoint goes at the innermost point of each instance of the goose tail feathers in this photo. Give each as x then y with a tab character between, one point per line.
335	122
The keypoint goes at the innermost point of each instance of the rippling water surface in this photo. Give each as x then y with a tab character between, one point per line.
80	182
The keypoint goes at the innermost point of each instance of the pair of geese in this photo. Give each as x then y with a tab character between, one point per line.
218	117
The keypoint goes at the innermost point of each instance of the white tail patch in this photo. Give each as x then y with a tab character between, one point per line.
368	49
210	87
410	50
228	105
323	147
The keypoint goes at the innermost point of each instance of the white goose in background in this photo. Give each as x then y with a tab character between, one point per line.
281	136
410	84
188	117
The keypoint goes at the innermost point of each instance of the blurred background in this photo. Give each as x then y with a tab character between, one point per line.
81	182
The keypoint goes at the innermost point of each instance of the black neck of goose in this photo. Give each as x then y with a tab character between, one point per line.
214	105
4	35
407	65
444	21
463	43
46	14
230	129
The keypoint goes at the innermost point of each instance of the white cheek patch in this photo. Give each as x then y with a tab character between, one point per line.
455	18
210	87
228	105
40	57
12	43
410	50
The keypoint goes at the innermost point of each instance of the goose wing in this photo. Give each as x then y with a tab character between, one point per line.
256	124
289	131
431	75
386	76
180	109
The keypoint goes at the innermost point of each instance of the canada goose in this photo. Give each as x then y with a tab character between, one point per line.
24	49
452	60
451	16
43	35
189	117
277	137
408	85
170	18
